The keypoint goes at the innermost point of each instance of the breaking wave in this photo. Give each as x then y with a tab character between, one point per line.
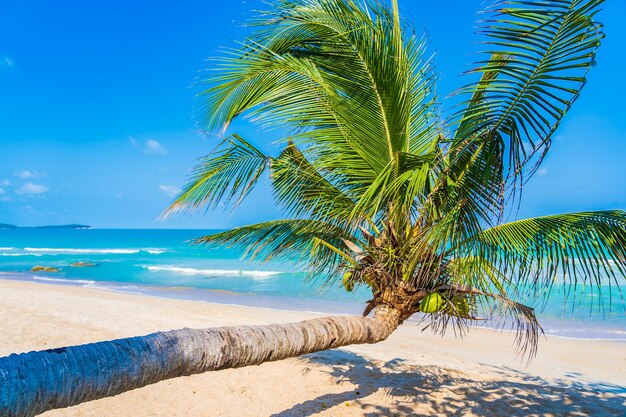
213	272
70	251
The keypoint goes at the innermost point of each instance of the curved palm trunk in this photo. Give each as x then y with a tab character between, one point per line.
34	382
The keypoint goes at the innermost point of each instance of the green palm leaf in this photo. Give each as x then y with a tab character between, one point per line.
289	240
227	175
302	65
540	53
588	247
304	192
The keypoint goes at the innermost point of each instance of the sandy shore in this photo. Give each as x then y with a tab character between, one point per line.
411	373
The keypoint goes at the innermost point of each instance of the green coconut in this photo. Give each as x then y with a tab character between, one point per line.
432	303
348	284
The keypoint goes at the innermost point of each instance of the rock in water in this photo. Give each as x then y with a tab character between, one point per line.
82	264
40	268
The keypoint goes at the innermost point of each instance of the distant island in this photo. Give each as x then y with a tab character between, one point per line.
61	226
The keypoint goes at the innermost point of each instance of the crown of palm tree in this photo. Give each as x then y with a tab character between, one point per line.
379	188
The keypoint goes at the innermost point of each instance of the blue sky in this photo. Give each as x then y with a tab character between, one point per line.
96	106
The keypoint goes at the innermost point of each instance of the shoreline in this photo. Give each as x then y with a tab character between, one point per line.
251	300
410	373
215	296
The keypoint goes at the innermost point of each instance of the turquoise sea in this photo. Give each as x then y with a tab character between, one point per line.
163	263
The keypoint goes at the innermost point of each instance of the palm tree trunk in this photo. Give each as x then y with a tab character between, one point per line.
34	382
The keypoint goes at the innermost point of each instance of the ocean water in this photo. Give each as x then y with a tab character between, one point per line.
164	263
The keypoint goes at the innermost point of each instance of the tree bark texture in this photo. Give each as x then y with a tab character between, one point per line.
34	382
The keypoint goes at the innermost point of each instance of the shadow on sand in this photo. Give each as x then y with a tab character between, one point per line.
397	388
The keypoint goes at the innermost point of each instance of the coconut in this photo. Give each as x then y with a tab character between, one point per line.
432	303
348	284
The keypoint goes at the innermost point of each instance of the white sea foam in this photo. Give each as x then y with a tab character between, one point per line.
125	289
155	251
75	281
20	254
218	272
70	251
6	248
80	251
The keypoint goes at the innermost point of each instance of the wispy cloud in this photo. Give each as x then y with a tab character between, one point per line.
169	190
154	147
150	146
7	62
5	183
25	174
542	172
32	189
2	191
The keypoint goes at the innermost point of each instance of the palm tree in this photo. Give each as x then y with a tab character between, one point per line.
379	189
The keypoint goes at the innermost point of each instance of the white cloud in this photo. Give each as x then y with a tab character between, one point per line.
154	147
32	189
5	183
7	62
2	191
25	174
169	190
150	146
542	172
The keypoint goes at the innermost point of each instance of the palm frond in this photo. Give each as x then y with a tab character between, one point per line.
482	282
343	75
290	240
227	175
587	249
301	189
539	54
497	309
537	59
477	272
465	195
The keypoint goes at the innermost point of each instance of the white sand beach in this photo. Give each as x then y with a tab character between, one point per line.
411	373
